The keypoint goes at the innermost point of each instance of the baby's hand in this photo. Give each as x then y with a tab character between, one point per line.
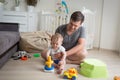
60	62
58	55
56	65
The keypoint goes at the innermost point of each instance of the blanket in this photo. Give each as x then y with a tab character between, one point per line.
33	42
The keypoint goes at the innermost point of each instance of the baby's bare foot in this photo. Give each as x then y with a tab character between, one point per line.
59	71
56	66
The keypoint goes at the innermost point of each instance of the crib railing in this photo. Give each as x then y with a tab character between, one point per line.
49	22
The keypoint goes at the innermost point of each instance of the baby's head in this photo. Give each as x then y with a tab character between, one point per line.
56	40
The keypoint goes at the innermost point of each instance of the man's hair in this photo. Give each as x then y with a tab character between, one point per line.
56	37
77	16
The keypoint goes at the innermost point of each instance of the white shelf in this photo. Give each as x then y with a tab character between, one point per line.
27	20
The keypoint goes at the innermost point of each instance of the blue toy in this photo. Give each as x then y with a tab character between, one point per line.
65	5
62	7
48	65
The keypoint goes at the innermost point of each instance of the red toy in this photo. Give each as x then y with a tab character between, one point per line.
24	58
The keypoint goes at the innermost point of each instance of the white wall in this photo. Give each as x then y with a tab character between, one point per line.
46	5
106	17
118	43
93	5
110	22
119	35
41	5
10	4
73	5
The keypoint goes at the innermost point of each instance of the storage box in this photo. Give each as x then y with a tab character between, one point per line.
94	68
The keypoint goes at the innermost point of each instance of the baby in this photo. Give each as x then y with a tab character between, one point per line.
57	52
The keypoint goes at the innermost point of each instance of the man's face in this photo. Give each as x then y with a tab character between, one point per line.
73	26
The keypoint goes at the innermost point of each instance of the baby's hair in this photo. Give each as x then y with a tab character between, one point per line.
56	37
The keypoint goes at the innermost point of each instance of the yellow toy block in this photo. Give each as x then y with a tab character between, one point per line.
48	65
49	62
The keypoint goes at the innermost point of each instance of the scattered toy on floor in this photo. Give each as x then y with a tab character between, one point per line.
36	55
70	74
117	78
23	55
48	65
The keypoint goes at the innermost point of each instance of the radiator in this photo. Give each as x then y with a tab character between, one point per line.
49	22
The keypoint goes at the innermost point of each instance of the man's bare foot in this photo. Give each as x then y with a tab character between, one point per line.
73	62
68	61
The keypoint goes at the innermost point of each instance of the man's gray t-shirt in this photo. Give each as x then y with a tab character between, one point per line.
70	41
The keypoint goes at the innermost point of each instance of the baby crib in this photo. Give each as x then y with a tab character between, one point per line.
50	21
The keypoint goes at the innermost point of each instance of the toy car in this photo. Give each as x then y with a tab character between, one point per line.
70	74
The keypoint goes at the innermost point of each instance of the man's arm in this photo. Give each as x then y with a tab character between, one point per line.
80	46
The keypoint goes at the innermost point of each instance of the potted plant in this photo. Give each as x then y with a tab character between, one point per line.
2	4
17	5
31	5
2	1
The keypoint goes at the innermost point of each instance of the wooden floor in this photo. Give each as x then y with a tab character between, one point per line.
32	68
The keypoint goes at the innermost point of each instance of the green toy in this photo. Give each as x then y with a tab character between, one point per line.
36	55
94	68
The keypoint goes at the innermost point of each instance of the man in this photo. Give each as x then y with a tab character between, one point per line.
73	39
